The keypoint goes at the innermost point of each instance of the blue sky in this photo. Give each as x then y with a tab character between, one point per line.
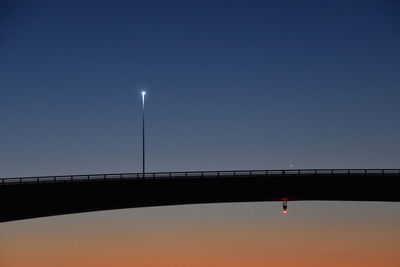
238	85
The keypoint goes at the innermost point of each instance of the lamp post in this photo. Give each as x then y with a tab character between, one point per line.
143	151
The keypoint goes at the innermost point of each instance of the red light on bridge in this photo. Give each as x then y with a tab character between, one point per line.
284	204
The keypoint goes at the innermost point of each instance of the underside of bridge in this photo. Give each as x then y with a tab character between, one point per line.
31	200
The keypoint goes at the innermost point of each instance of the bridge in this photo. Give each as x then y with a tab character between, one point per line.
32	197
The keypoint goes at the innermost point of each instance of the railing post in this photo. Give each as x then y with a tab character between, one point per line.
88	178
72	178
218	173
37	180
185	174
105	177
54	179
20	180
315	172
169	174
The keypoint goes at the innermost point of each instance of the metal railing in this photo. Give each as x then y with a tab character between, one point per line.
194	174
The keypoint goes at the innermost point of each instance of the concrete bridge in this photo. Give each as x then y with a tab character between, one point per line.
32	197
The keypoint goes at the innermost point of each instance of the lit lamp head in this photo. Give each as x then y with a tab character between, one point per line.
143	94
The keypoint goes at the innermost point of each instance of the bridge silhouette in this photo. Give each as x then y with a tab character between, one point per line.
32	197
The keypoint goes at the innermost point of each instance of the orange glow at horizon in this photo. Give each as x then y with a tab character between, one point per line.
207	235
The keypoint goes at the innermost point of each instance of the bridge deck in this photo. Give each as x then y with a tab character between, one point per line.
196	174
32	197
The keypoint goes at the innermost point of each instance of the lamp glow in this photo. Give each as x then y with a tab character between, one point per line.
143	94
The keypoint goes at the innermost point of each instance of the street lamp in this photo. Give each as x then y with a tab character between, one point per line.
143	156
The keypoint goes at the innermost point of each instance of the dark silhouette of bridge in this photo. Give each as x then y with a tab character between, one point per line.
31	197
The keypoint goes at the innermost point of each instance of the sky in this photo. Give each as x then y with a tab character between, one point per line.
230	85
232	235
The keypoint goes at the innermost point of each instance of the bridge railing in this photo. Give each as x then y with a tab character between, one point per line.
194	174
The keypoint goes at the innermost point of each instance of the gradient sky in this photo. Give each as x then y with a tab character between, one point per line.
232	235
231	85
